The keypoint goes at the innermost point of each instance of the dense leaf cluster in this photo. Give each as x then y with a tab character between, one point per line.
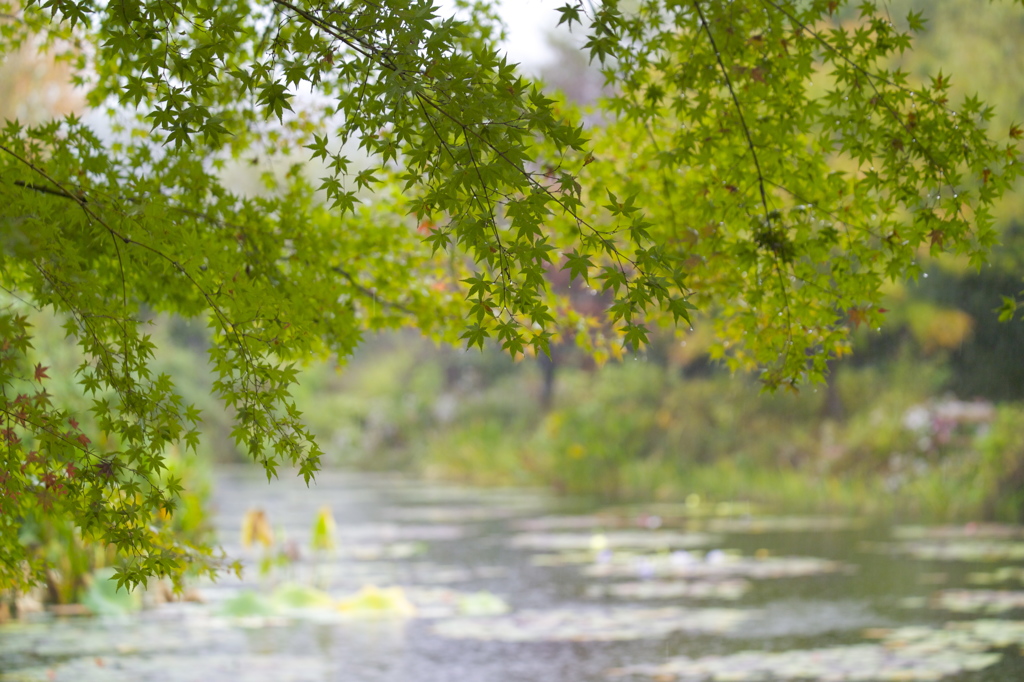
791	165
762	160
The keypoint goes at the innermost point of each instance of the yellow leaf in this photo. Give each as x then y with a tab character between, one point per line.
256	528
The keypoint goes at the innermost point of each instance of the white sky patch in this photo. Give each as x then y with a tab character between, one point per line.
529	22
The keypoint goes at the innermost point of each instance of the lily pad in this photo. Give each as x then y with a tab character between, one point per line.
914	653
248	667
956	550
93	637
349	575
971	635
543	524
571	557
434	602
378	551
482	604
978	601
249	604
958	532
293	596
394	532
623	557
376	601
855	662
637	539
712	565
291	603
593	624
672	589
1005	574
431	573
782	524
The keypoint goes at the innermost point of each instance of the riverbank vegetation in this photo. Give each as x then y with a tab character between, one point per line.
901	443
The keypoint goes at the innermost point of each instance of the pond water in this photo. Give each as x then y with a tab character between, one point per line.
432	583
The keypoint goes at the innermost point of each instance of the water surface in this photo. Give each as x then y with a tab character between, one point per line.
512	585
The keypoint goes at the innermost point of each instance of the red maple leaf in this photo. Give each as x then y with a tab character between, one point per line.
857	316
83	439
73	422
41	372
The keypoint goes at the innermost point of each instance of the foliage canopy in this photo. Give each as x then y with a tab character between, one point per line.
762	160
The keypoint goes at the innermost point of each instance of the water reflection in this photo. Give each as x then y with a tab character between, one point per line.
506	585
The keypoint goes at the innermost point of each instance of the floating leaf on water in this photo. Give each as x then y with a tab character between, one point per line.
441	602
567	558
375	552
627	557
248	604
671	589
780	524
292	602
836	664
352	575
686	565
972	635
638	539
549	523
482	604
437	574
958	532
294	596
64	639
954	550
394	532
426	572
978	601
593	624
248	667
914	602
378	601
1004	574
